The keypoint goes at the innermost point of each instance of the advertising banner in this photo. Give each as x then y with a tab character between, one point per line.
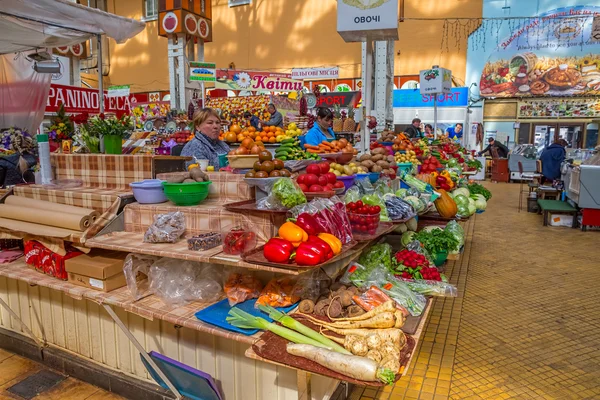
412	98
256	81
554	54
358	20
78	99
435	80
203	71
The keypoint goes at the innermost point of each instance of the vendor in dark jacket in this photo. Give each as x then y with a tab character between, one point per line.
414	131
551	158
500	148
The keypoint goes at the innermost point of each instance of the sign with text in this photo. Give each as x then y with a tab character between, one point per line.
78	100
203	71
435	80
342	99
359	20
412	98
118	91
232	79
316	73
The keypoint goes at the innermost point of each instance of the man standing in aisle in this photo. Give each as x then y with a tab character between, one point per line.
414	131
276	117
500	148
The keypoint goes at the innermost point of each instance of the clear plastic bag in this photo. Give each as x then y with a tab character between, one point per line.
166	228
278	293
284	193
179	282
238	240
241	287
356	274
311	284
135	268
431	288
457	231
398	290
330	214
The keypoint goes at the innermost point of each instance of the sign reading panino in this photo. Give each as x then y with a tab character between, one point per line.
360	20
316	73
435	80
256	81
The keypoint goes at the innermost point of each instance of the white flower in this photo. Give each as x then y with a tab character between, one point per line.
244	81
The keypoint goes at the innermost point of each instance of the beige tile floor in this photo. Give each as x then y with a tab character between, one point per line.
14	368
526	322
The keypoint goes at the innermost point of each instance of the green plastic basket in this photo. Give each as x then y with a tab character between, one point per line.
186	194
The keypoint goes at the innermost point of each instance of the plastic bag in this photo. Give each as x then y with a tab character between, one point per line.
166	228
241	287
398	209
398	290
311	284
238	240
278	293
376	199
178	282
284	194
457	231
135	268
330	214
431	288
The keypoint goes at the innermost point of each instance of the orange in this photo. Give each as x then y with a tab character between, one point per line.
272	140
259	143
240	137
252	129
236	129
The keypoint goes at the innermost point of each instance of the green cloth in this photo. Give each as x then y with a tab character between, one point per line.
555	205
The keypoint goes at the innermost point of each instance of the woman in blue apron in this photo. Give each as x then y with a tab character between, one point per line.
321	130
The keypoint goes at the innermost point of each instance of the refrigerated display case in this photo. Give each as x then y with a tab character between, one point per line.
527	155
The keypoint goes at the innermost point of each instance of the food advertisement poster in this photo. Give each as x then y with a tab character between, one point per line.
554	54
232	79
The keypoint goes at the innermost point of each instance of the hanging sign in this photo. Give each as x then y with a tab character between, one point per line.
412	98
342	99
316	73
359	20
203	71
232	79
435	81
79	99
118	91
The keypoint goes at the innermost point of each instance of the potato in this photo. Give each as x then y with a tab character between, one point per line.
198	175
391	159
364	157
367	164
376	157
179	178
376	168
381	151
383	164
189	181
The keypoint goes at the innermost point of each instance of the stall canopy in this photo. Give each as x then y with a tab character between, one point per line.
26	24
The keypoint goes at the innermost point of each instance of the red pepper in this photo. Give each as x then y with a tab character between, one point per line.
312	252
309	223
323	245
278	250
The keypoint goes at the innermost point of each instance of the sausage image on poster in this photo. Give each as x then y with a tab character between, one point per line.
553	54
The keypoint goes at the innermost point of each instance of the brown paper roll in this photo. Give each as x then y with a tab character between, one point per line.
50	206
45	217
36	229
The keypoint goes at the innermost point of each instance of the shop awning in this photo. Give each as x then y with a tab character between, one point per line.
27	24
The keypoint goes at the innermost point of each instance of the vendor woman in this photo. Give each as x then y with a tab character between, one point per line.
321	130
206	144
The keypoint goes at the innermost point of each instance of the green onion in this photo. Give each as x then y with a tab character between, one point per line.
242	319
291	323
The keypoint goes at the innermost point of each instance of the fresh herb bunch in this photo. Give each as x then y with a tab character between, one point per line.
437	241
475	164
476	188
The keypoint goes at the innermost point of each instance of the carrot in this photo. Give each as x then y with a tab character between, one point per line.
310	146
313	151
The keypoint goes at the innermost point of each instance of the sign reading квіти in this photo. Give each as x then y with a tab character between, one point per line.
361	20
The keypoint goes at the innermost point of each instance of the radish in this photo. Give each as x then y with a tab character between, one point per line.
356	367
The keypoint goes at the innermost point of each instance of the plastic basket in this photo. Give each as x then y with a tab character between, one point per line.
405	168
440	258
186	194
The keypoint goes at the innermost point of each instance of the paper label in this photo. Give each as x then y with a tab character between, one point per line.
96	283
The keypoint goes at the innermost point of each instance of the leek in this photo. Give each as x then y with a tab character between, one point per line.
291	323
242	319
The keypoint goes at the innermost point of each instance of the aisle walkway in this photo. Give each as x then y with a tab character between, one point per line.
27	374
525	325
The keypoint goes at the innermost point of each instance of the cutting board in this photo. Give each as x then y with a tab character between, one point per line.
217	314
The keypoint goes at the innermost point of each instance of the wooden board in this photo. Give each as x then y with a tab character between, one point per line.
256	256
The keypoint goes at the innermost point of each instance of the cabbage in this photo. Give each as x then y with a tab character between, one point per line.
415	203
478	196
461	200
464	191
401	193
471	206
480	204
463	211
407	237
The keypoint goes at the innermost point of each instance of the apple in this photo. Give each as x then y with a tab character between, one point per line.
311	179
323	180
301	178
314	169
303	187
324	166
315	188
338	185
331	178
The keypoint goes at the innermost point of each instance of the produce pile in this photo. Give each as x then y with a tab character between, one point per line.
379	161
232	108
267	167
291	149
318	178
335	146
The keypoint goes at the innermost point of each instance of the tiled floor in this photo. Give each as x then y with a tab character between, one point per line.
14	368
526	322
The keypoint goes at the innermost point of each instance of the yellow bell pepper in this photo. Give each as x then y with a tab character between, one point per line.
293	233
332	241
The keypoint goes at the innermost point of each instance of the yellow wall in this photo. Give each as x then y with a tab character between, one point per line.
282	34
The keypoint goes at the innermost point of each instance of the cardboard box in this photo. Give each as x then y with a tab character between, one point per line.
561	220
100	271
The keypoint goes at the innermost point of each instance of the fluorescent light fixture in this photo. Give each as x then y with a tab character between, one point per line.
47	67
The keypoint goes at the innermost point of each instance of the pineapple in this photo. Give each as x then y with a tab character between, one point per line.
349	123
338	123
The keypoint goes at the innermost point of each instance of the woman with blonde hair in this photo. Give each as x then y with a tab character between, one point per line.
206	144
